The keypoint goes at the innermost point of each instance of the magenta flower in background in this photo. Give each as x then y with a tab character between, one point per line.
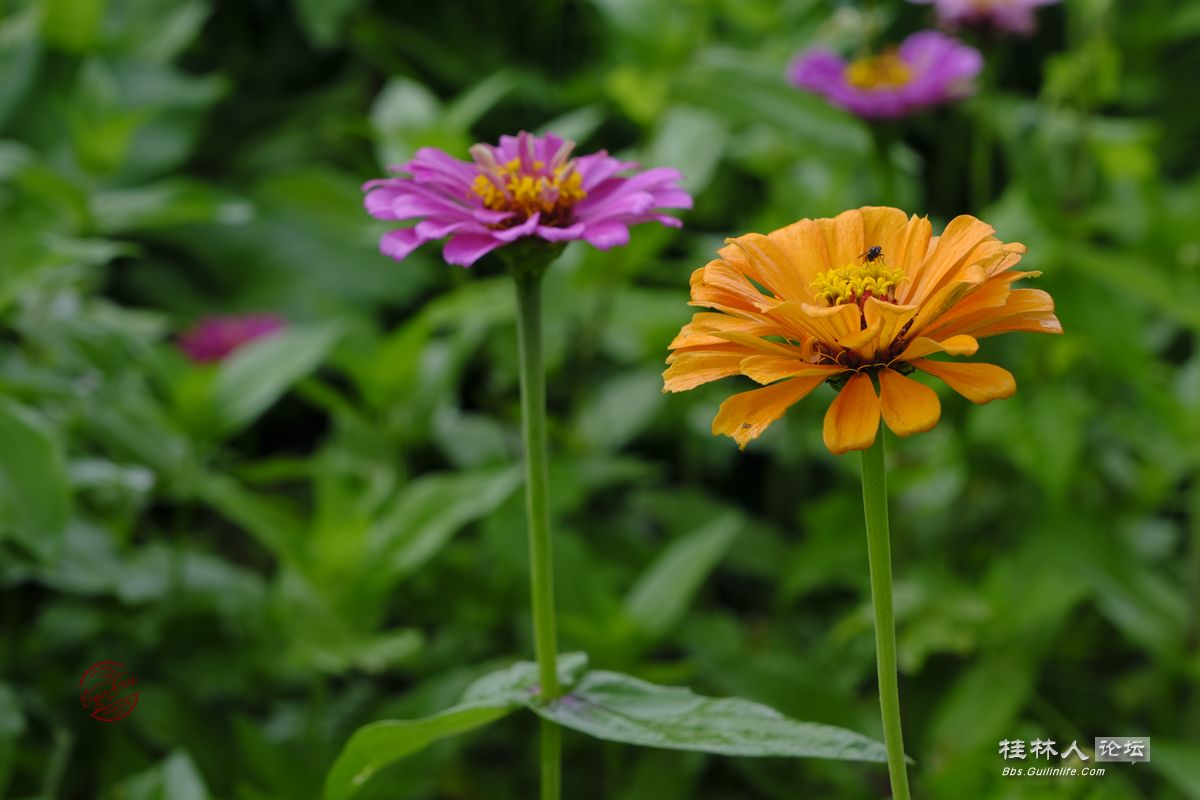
929	68
1016	16
213	338
527	186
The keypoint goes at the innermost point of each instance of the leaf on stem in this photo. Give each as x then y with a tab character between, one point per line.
621	708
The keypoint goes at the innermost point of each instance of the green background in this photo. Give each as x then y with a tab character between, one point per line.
327	529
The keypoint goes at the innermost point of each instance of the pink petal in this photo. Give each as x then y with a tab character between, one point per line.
605	235
465	250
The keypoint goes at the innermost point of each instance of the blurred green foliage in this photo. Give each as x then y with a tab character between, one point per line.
326	528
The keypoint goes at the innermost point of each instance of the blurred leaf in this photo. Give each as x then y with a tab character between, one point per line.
168	203
431	510
471	440
619	410
663	593
255	376
1180	763
263	518
155	30
736	86
73	25
175	778
576	125
403	116
376	745
323	19
18	59
621	708
12	725
35	496
470	106
691	140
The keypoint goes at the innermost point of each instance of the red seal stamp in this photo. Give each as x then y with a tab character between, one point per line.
108	691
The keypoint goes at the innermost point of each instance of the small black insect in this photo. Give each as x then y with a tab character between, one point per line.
873	254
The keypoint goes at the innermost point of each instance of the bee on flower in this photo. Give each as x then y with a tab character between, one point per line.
860	301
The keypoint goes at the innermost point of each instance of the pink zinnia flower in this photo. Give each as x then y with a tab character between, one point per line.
927	69
213	338
1009	15
527	186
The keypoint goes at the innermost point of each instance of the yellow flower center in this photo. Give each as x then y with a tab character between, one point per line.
884	71
854	283
551	192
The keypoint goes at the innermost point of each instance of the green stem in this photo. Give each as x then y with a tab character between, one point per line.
879	554
983	143
541	557
881	162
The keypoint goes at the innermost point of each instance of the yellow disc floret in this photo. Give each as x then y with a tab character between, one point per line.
884	71
854	283
510	188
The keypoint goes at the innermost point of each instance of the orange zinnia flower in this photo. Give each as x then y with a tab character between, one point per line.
859	300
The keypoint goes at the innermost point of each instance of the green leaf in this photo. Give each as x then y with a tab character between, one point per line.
375	746
12	725
73	25
430	511
470	106
253	378
692	140
1179	763
620	409
165	204
323	19
516	681
663	593
18	58
621	708
35	497
174	778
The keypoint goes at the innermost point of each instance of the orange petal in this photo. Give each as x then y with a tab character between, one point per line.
946	298
979	383
910	249
961	345
1024	310
806	250
852	420
885	320
829	324
723	284
844	237
758	344
908	406
768	369
773	267
691	369
745	416
700	330
949	254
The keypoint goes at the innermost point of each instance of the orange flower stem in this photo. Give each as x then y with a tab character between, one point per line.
541	556
879	555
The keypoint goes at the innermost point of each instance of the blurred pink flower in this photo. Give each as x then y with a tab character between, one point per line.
927	69
1009	15
527	186
215	337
